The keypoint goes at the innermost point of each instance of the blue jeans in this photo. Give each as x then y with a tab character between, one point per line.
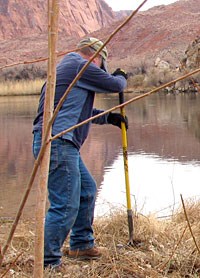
72	194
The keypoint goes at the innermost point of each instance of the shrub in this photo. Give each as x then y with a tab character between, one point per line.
136	80
157	77
21	87
23	72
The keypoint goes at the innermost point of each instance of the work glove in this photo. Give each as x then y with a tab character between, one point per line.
117	119
120	72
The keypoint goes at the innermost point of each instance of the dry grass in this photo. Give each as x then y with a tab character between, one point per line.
136	81
21	87
164	248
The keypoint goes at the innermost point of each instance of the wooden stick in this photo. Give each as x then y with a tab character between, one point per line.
106	42
42	151
161	268
11	265
88	63
43	59
53	11
188	222
186	71
126	103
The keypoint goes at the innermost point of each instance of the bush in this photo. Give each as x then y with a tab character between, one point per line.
136	80
156	77
23	72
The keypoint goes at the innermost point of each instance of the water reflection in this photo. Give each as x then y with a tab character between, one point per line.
163	135
16	114
156	184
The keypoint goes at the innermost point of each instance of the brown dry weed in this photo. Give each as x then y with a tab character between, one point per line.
163	248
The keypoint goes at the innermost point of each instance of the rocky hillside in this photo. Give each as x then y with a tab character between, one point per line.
163	31
192	55
25	18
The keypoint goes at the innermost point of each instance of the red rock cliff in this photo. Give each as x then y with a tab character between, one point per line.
77	18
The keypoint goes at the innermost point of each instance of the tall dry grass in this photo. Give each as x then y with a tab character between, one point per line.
21	87
164	248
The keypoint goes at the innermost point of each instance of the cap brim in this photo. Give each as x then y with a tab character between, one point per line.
104	65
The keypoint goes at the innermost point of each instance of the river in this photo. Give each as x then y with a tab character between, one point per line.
163	154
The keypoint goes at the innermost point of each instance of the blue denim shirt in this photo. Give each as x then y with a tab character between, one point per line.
78	106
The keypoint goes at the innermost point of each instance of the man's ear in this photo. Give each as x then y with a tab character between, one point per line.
96	61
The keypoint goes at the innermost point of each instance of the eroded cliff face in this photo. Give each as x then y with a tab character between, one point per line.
77	17
83	17
3	6
163	31
192	55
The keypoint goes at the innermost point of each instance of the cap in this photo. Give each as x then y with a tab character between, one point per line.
95	44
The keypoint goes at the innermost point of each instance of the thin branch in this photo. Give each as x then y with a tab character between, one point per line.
88	63
174	250
4	274
186	71
76	49
125	103
45	141
43	59
188	222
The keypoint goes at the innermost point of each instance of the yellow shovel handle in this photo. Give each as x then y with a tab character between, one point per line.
125	154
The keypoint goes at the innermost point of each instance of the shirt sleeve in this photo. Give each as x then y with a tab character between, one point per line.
99	81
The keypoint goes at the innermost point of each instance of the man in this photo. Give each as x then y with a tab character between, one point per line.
71	188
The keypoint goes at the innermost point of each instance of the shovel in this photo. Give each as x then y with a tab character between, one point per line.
126	173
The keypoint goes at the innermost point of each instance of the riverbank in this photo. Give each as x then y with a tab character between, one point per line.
164	248
21	87
33	87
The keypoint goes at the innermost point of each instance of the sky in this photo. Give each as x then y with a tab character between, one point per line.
117	5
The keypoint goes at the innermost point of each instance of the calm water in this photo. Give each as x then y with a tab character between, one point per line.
163	148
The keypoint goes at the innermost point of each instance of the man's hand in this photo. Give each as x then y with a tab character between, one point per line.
117	119
120	72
